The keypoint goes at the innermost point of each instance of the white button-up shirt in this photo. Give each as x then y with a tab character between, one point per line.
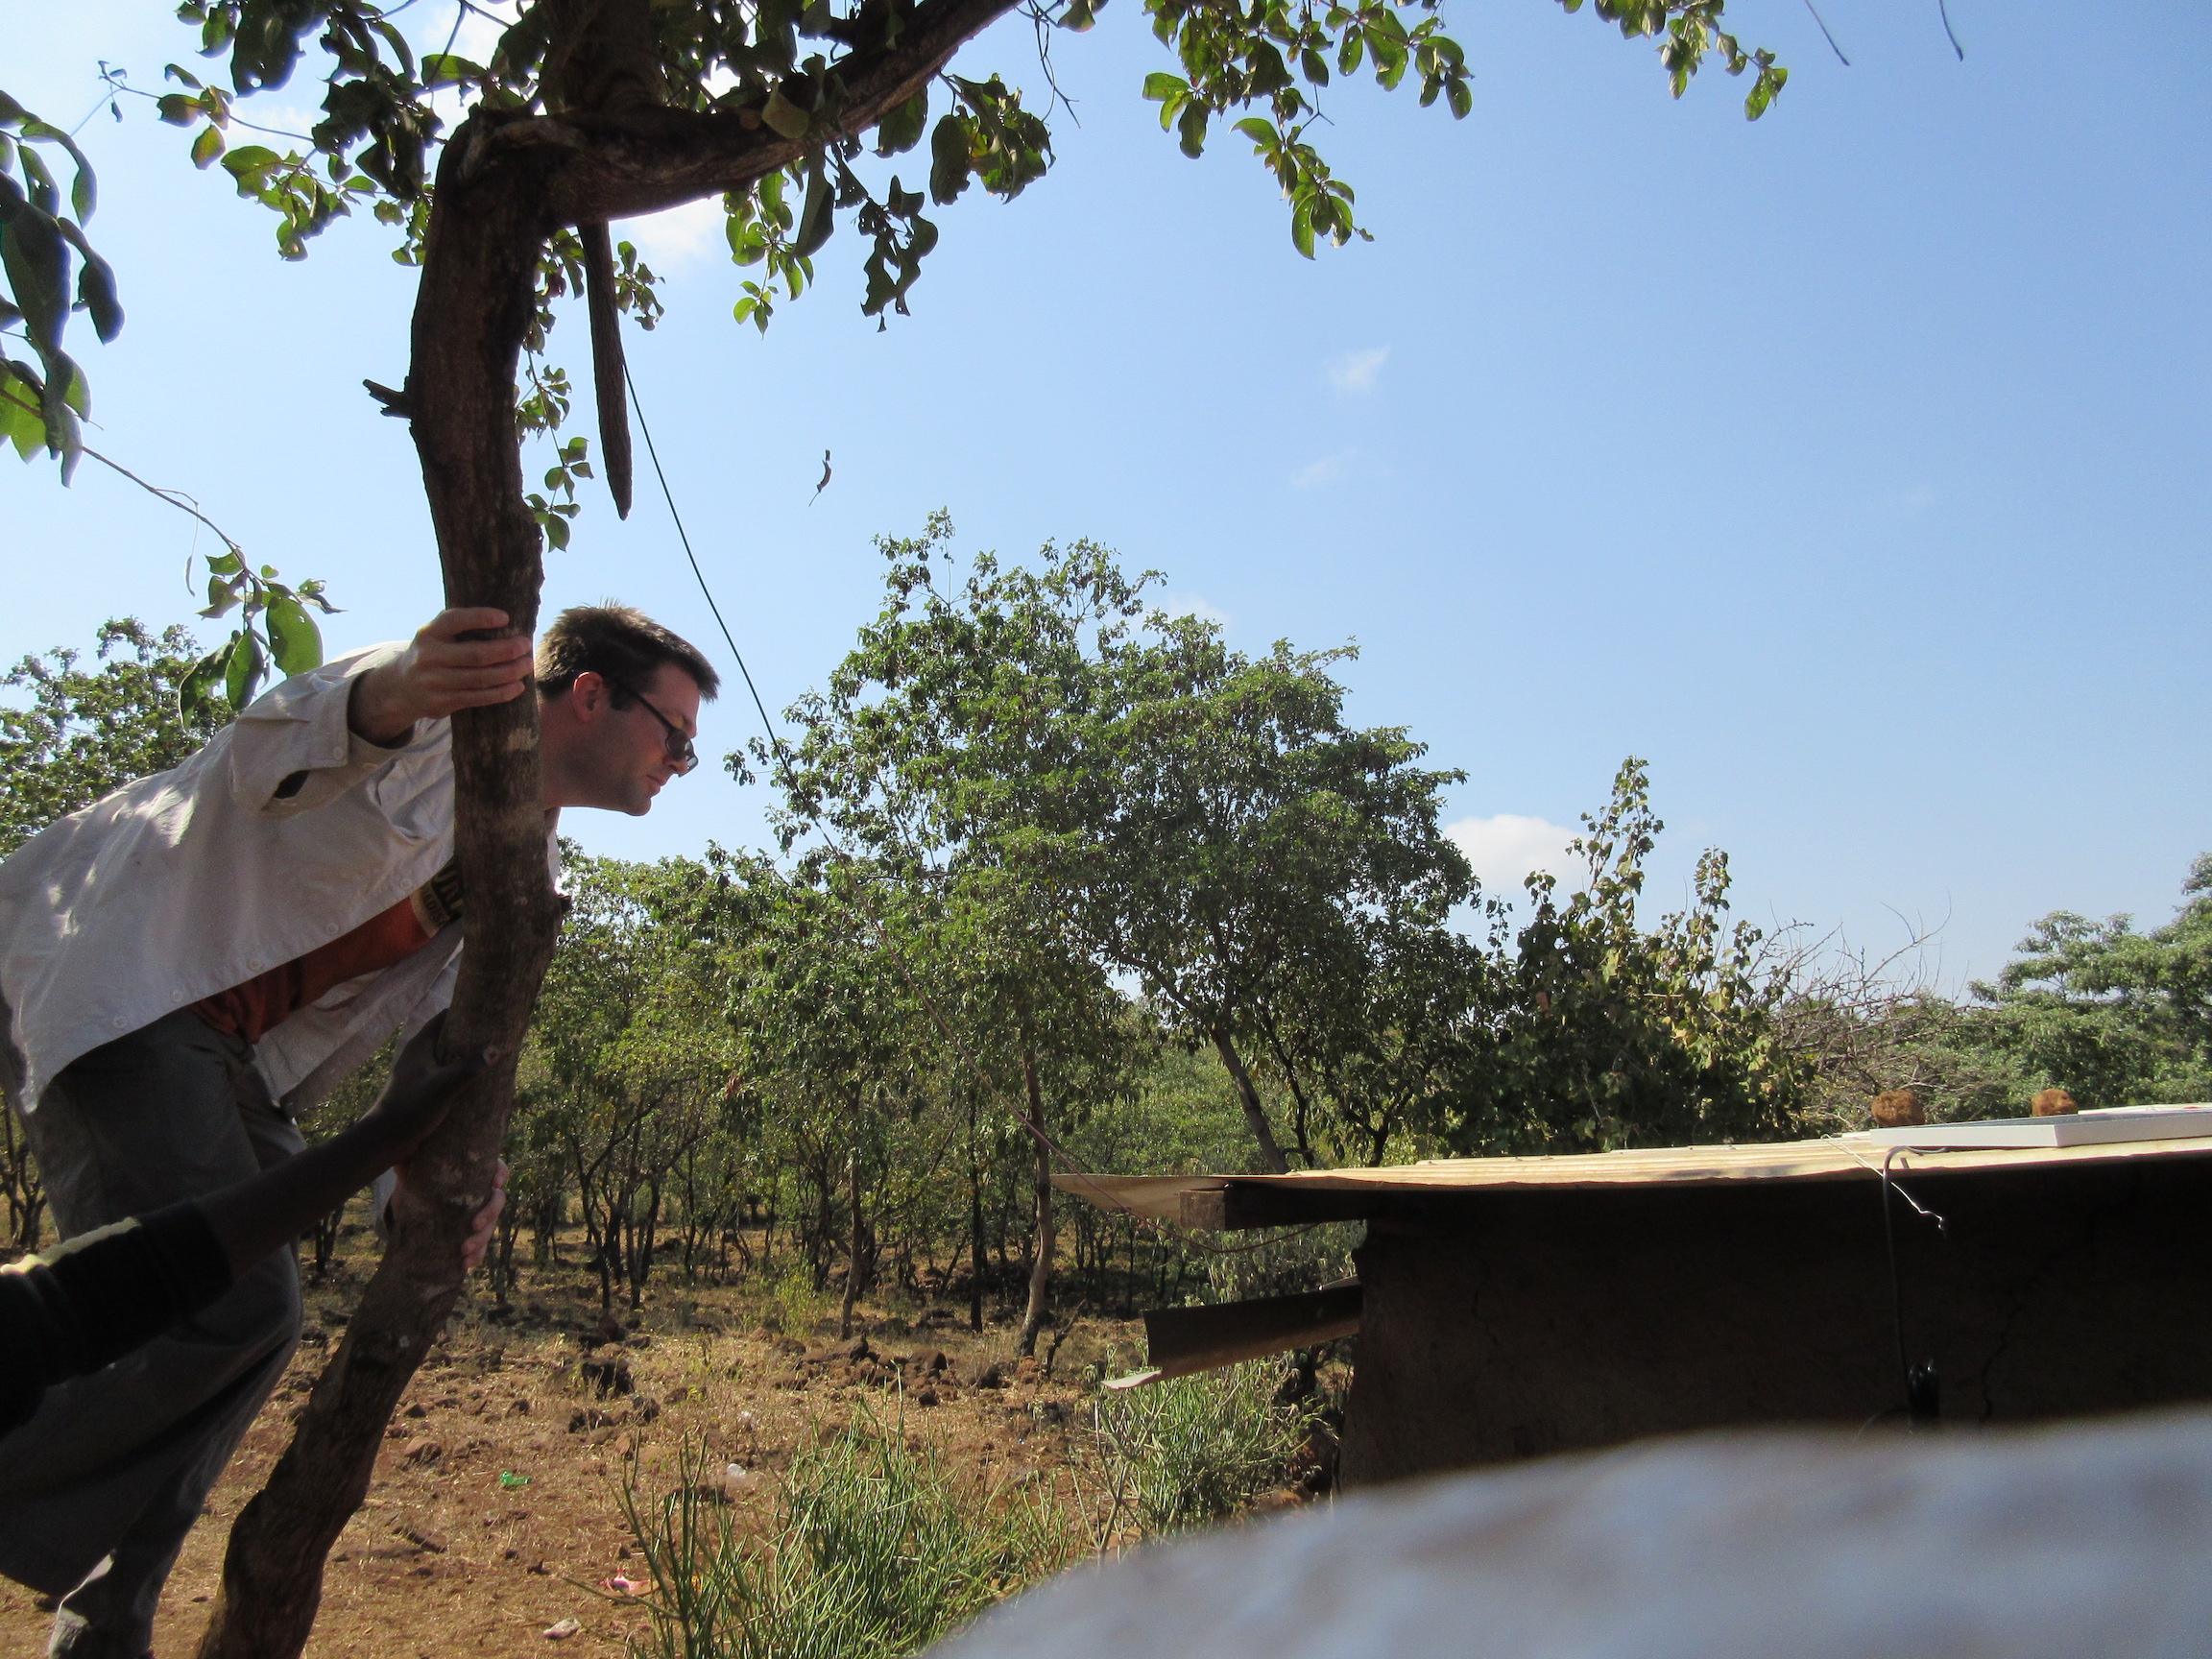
284	832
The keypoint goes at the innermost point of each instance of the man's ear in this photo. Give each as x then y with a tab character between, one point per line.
589	693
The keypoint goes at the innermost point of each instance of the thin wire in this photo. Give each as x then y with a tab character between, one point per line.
1897	1283
735	656
1107	1199
1890	1184
1830	39
1943	10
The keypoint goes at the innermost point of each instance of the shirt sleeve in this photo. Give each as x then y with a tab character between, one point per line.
95	1299
292	750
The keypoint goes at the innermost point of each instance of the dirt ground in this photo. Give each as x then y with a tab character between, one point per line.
495	1513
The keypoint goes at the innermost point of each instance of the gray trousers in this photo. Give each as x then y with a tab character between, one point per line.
99	1489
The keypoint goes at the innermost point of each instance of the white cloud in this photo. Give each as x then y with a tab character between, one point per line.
677	235
1357	371
1191	605
1505	848
1326	471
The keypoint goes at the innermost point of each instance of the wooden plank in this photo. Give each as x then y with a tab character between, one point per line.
1149	1197
1182	1340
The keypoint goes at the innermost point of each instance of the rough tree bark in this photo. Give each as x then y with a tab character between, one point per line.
504	183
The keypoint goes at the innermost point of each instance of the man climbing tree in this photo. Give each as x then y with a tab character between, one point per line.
193	960
586	111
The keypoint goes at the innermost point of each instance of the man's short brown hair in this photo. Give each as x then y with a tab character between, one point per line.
620	644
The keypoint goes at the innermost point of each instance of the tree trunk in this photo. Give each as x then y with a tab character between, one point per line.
1041	1267
979	1263
853	1253
979	1259
1301	1123
474	305
1255	1114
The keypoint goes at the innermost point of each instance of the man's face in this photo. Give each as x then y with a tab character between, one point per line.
622	759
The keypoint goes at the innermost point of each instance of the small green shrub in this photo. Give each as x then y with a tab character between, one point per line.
1196	1450
874	1551
793	1305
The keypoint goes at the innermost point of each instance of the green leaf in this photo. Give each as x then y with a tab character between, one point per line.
177	110
449	69
195	697
1160	86
816	220
1193	129
243	675
45	195
36	261
1260	130
1461	98
20	421
901	129
95	285
1762	95
298	641
784	118
950	165
250	160
208	147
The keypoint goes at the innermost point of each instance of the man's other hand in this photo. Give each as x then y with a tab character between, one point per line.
440	672
421	1091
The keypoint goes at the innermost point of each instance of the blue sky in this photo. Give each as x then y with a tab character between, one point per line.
1848	465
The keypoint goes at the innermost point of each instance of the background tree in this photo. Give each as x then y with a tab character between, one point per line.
1602	1035
2112	1015
1146	800
628	1065
1255	846
954	743
83	731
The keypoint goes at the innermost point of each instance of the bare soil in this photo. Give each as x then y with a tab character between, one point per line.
496	1509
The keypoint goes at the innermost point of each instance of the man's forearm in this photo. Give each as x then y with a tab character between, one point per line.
374	711
261	1214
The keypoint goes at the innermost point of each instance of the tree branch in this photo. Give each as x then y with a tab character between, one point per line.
617	166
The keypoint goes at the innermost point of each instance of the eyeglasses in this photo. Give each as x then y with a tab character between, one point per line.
677	742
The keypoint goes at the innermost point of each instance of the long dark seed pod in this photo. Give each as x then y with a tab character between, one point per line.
606	361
